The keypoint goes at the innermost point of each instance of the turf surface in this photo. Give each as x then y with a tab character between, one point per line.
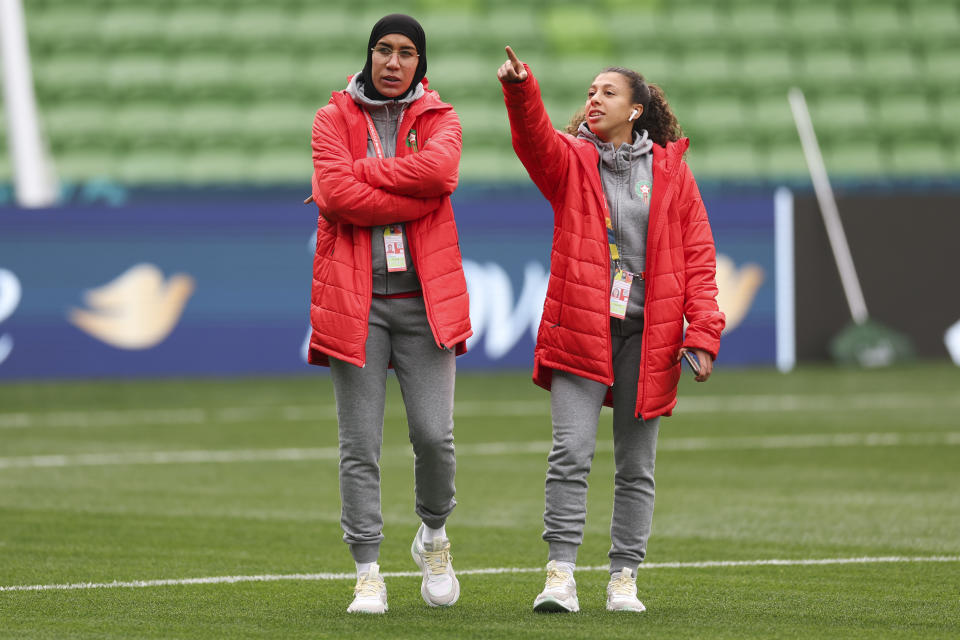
172	480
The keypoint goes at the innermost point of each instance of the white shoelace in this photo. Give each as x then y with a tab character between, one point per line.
368	588
557	579
437	561
623	586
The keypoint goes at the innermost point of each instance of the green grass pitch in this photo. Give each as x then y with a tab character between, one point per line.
179	479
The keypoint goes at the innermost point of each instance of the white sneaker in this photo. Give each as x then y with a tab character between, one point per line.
622	592
440	587
370	594
559	594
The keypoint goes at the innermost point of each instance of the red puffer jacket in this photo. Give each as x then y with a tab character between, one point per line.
354	192
680	281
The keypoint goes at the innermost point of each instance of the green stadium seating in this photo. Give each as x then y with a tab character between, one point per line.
816	22
726	161
877	21
828	70
932	18
785	159
756	22
225	90
772	119
888	67
920	158
849	158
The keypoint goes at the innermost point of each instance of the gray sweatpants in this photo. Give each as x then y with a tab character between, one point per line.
399	334
575	404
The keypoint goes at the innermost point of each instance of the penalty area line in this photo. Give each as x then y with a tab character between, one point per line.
305	577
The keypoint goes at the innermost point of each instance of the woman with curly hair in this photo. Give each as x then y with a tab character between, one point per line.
632	257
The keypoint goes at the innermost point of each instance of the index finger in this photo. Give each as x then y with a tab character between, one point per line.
514	60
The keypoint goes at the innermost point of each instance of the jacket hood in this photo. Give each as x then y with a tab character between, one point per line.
641	145
355	90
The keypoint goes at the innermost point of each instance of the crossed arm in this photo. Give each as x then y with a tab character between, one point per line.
342	196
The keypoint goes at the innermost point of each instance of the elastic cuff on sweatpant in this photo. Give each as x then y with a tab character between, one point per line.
618	564
563	552
365	552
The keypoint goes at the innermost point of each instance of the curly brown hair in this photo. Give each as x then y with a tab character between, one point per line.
657	117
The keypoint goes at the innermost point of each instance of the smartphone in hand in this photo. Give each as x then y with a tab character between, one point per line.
693	361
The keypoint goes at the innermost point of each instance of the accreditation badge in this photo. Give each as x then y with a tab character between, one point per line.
620	293
393	247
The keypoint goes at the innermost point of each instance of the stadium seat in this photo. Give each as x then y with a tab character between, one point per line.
62	121
708	69
756	22
876	21
277	166
575	30
824	70
888	66
817	21
934	18
772	119
69	77
86	163
159	166
278	124
918	158
127	29
716	119
195	28
785	159
626	28
456	77
942	67
850	158
765	70
725	161
840	115
695	21
910	110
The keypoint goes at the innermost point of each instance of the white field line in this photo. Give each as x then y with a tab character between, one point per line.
468	572
465	409
741	443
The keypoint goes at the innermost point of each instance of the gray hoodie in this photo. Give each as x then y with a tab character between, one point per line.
386	116
627	177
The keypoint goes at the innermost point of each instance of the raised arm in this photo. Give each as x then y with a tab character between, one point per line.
340	196
433	171
535	140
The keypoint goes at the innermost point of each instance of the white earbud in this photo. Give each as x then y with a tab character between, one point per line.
633	115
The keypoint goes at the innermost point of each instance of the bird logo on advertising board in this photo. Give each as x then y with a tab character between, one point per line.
136	310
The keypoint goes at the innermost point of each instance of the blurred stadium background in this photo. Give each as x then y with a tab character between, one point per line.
191	119
171	91
178	247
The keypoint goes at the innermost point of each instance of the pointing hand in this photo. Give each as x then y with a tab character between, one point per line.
512	70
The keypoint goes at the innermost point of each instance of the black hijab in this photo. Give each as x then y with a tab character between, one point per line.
404	25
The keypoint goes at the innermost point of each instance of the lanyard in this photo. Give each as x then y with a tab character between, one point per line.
374	136
612	239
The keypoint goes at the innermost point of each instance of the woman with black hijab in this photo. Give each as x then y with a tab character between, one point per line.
389	290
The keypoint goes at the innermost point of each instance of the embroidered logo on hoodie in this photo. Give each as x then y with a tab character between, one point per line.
643	190
412	140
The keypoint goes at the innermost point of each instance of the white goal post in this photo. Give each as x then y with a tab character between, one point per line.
33	171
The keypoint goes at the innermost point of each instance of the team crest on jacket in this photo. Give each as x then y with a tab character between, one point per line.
643	190
412	139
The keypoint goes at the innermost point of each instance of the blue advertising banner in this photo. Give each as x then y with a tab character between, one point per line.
218	282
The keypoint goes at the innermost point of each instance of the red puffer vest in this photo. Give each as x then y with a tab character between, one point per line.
680	281
354	192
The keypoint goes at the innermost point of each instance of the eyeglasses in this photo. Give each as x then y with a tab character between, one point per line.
405	56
